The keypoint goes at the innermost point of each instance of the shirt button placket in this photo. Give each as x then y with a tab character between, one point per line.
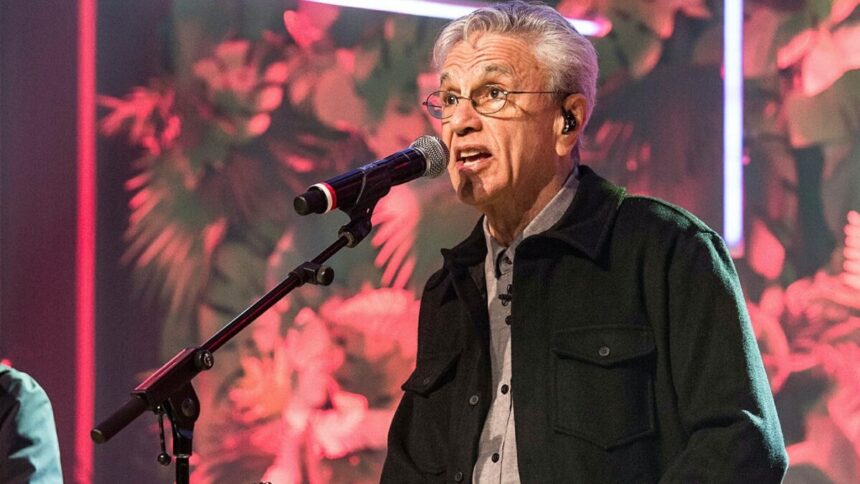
507	296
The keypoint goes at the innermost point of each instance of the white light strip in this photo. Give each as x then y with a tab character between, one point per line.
450	10
733	121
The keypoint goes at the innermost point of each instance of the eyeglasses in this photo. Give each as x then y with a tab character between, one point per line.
487	99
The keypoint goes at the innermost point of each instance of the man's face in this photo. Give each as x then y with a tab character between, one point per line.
507	157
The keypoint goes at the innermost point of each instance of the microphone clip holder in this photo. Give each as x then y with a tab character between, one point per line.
359	225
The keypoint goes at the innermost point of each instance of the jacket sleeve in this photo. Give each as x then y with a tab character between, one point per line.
723	395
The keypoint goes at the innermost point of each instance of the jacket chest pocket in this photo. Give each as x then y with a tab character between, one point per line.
603	386
430	373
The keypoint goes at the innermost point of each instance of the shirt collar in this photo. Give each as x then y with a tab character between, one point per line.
585	225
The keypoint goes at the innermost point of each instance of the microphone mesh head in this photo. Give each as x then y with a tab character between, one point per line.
435	152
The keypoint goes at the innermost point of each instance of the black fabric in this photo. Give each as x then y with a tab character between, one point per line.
29	452
633	357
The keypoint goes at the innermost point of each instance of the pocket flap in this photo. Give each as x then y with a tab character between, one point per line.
429	371
604	345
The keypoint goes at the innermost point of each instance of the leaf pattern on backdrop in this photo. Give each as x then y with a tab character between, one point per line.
278	95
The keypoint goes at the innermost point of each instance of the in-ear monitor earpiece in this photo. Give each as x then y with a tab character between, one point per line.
569	121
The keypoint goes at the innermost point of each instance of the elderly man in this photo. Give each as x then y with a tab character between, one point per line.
579	334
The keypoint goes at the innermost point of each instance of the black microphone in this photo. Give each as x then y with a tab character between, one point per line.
426	156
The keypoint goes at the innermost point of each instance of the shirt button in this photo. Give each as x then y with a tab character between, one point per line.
505	389
473	400
604	351
508	319
495	457
458	476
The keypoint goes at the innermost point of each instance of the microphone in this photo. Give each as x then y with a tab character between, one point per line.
426	156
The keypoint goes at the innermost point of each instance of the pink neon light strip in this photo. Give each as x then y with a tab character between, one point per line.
450	10
86	242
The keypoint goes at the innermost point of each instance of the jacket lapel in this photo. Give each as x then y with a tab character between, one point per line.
588	221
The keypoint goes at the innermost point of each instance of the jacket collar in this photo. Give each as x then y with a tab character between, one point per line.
585	225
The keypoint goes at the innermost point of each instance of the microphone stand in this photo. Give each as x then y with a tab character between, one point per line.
169	391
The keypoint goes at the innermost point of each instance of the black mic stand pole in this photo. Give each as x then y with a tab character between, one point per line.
169	391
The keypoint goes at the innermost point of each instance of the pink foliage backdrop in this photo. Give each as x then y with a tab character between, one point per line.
292	92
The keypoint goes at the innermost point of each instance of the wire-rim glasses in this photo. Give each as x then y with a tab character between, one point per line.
487	99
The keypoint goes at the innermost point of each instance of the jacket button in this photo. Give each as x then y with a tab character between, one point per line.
458	476
495	457
505	389
425	381
508	319
604	351
473	400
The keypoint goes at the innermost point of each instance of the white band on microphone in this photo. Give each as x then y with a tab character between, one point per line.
330	195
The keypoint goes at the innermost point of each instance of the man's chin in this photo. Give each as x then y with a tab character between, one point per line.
475	196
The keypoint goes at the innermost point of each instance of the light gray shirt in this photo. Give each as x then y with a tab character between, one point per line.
497	449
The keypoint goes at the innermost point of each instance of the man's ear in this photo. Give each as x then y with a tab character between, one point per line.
571	118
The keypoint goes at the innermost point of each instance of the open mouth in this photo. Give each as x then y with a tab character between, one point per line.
471	157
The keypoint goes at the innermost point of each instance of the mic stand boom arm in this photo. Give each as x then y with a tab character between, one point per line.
169	390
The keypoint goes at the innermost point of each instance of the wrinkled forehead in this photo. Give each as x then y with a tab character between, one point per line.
490	57
487	71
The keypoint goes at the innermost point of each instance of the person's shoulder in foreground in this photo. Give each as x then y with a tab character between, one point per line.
29	451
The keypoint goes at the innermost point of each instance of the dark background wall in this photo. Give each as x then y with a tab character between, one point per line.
38	199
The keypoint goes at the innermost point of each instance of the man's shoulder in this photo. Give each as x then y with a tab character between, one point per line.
661	227
640	211
14	382
435	279
17	386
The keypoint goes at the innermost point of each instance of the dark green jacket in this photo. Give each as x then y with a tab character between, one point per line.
632	352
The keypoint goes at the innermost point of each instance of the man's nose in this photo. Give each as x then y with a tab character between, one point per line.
465	118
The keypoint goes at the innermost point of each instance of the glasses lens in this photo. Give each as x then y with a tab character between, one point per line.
435	104
489	99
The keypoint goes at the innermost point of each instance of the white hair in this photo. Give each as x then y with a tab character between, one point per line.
569	58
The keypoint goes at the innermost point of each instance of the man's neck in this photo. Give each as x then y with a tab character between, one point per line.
509	218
